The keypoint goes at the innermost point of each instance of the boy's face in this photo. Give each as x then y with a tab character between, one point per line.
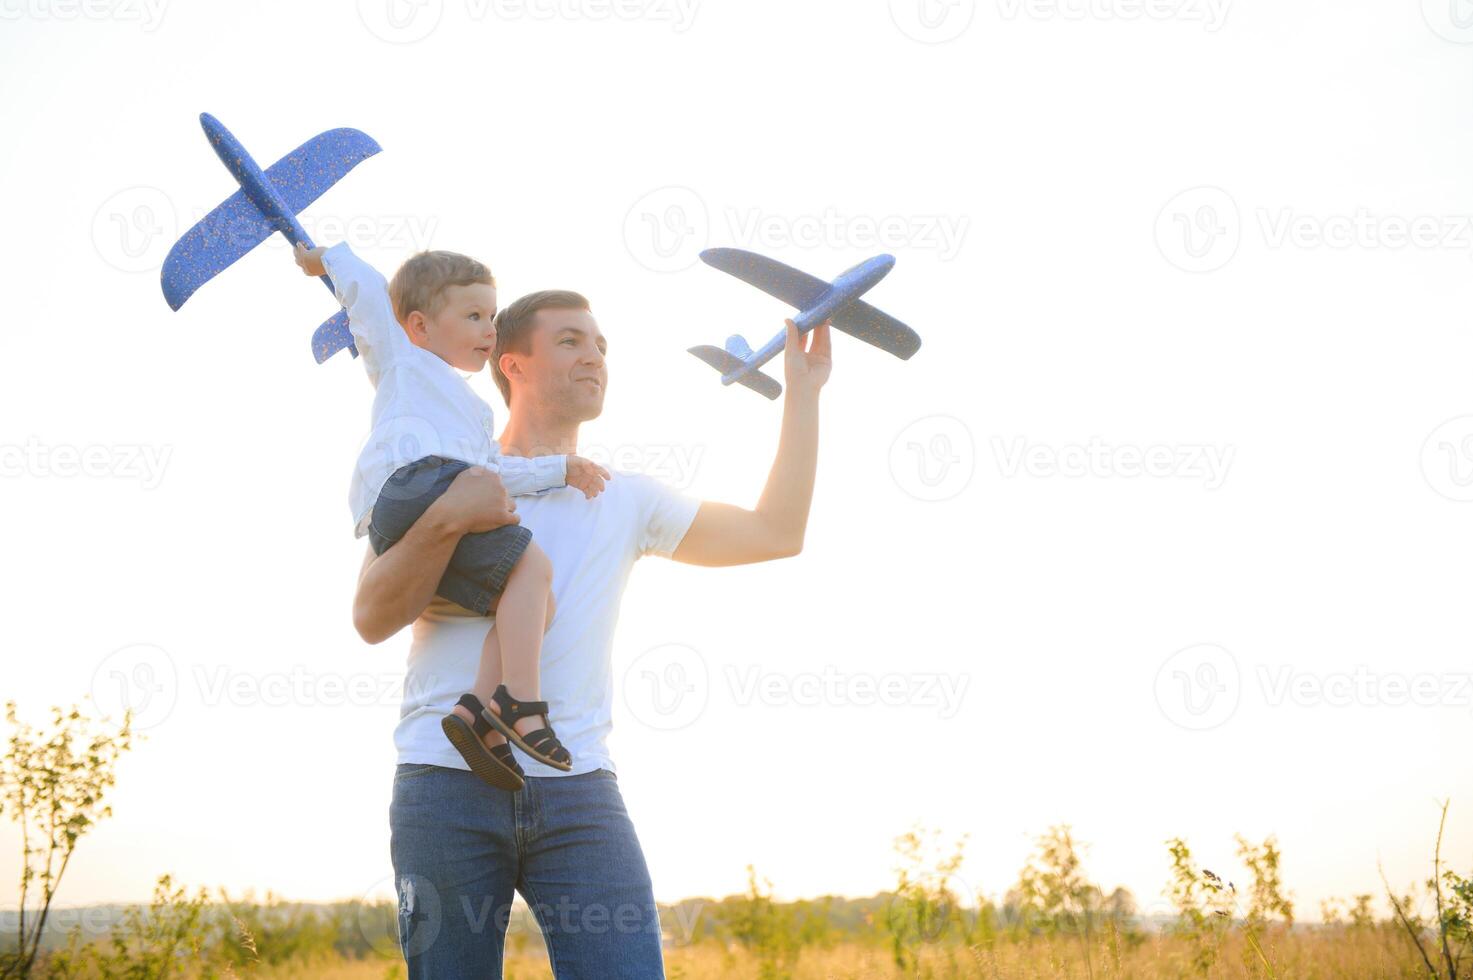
461	333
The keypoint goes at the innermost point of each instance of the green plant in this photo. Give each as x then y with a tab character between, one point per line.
276	931
53	784
1454	933
1203	912
764	927
925	907
166	940
1267	896
1054	897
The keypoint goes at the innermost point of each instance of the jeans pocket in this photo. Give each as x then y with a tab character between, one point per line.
407	770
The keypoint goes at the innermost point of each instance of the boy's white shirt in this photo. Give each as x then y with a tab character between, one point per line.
423	406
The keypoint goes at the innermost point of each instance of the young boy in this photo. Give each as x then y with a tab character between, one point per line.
415	335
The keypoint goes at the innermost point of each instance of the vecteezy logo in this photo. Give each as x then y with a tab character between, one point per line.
667	687
140	678
1447	459
932	21
403	917
133	229
1451	20
401	21
1199	688
666	229
933	458
1199	229
928	906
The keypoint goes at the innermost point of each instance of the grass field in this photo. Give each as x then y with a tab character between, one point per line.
1053	922
1379	952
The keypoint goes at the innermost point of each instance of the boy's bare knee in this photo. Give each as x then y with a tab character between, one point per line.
535	566
534	562
541	566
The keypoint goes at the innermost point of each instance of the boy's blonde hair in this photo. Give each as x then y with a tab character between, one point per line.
421	282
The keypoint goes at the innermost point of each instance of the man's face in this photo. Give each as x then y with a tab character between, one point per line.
461	332
566	372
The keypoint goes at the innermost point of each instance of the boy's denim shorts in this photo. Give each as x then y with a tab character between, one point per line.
479	567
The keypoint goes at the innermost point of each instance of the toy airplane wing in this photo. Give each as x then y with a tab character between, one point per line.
859	319
800	290
796	288
237	225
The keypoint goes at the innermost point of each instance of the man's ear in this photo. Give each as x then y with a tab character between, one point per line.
510	366
417	326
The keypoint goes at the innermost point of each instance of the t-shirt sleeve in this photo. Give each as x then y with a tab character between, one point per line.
666	514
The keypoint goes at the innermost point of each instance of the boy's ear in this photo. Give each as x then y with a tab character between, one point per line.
417	327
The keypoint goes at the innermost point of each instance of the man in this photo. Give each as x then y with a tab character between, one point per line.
460	847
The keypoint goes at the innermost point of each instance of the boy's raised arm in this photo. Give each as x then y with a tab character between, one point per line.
364	293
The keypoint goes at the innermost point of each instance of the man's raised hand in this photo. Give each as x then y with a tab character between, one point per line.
586	475
807	370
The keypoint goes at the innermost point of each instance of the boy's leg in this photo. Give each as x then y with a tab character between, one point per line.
489	672
523	613
584	875
453	842
488	677
485	568
481	563
407	495
486	559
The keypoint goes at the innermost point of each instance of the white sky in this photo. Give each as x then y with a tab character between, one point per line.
1045	142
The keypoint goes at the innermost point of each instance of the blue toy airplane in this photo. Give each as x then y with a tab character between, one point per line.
266	202
816	300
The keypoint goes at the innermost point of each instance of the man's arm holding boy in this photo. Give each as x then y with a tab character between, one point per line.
396	586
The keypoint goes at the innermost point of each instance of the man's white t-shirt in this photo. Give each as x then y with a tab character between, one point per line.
593	544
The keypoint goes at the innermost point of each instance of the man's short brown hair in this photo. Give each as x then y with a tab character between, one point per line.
421	282
514	327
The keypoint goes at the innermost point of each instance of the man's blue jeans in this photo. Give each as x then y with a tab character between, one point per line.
566	843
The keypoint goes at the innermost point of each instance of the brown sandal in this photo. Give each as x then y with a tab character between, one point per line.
541	744
493	764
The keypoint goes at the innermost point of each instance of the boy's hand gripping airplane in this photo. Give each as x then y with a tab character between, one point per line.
266	202
816	300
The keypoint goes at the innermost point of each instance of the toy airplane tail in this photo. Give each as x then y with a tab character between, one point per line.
733	365
332	336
